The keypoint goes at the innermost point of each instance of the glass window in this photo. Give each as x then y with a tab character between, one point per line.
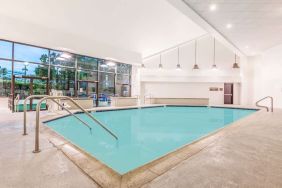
62	79
62	58
30	53
106	83
5	77
5	50
123	79
107	66
123	90
123	68
106	88
87	75
84	62
22	85
30	69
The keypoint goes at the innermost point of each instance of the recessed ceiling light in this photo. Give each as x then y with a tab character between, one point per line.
247	47
213	7
229	26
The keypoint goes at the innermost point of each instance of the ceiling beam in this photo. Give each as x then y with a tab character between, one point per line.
187	10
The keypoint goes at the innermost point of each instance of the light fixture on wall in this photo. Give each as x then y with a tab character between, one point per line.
214	67
178	67
111	63
196	66
65	55
235	64
60	59
142	66
160	65
103	64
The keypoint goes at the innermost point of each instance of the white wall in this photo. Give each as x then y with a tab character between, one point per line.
247	84
268	75
190	83
183	90
224	60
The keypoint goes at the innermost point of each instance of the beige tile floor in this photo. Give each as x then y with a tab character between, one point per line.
20	168
250	155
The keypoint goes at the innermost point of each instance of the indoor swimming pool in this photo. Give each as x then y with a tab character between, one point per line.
144	134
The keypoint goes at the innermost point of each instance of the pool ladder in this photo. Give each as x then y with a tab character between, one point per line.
53	98
266	107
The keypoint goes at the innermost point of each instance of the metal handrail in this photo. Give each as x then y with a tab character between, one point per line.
16	102
25	109
36	150
62	106
266	107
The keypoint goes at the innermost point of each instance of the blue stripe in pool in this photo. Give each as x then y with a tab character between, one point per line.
144	134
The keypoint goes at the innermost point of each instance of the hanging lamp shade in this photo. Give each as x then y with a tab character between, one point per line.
196	66
235	64
214	67
178	66
160	65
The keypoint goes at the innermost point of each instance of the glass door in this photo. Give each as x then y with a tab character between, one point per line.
228	93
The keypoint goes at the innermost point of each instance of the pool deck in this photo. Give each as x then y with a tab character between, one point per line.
245	154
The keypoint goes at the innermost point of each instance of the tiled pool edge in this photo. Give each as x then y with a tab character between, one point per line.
106	177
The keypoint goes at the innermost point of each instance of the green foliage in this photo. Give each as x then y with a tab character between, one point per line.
44	59
3	72
87	62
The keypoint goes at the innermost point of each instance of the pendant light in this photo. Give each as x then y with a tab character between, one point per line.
178	67
160	65
236	65
196	66
214	65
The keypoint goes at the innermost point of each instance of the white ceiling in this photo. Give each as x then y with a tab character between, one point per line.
257	24
142	26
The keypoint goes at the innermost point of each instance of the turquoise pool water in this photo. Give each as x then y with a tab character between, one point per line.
144	134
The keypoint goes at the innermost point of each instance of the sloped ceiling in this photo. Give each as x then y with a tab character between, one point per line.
256	23
124	29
